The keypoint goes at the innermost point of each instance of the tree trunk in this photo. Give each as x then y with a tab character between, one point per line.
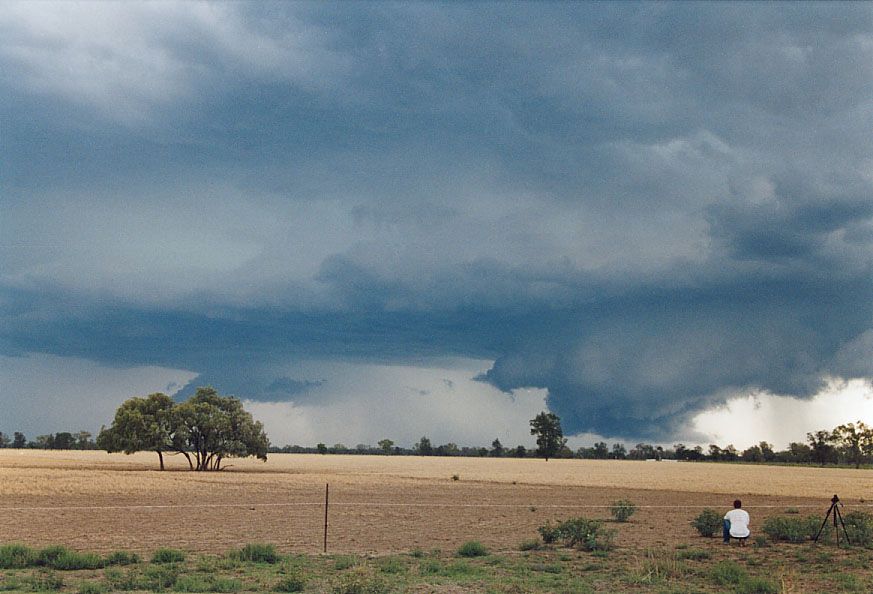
161	458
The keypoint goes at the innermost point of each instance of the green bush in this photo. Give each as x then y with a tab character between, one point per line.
157	578
257	553
472	548
791	529
168	556
529	545
16	556
549	533
727	573
290	583
708	522
58	557
859	527
586	534
756	586
622	510
122	558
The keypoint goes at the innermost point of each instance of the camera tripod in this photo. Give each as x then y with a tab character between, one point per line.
835	510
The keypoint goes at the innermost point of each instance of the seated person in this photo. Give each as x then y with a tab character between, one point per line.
736	523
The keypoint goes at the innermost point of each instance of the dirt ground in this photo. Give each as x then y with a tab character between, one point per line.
381	504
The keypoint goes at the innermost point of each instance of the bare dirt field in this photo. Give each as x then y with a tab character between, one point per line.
380	504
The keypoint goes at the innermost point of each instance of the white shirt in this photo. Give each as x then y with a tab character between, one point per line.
739	519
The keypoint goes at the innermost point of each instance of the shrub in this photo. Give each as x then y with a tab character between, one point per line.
622	510
157	578
529	545
756	586
290	583
859	527
168	556
794	529
16	556
549	533
92	588
472	548
417	553
726	573
257	553
761	541
58	557
585	534
391	565
708	523
122	558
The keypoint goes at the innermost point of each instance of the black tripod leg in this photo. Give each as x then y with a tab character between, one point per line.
843	524
823	524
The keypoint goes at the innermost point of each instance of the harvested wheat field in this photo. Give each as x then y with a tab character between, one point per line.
380	504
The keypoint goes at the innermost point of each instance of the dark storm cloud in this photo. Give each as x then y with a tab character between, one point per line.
639	207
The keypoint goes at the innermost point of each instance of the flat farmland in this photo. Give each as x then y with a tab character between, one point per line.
380	504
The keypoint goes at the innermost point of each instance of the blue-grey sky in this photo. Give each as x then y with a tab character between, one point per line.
629	213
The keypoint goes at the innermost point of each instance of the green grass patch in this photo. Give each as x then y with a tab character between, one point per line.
16	556
256	553
472	548
168	556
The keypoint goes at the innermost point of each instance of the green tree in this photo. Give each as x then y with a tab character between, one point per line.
855	440
424	447
550	437
386	445
214	427
618	451
496	448
19	441
143	424
321	448
822	448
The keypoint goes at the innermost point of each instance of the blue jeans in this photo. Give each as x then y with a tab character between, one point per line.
726	530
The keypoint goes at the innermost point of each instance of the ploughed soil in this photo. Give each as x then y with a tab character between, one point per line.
383	504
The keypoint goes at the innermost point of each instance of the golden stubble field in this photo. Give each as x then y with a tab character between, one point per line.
380	504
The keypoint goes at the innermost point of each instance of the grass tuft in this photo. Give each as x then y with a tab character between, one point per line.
472	548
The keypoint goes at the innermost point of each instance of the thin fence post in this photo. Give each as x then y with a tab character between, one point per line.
326	502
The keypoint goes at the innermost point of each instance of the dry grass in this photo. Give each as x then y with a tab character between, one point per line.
520	493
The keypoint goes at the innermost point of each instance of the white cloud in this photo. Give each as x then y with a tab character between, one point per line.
746	420
365	403
127	58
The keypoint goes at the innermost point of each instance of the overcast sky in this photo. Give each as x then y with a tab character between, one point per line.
386	220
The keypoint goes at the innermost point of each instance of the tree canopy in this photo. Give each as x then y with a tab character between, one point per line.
550	436
206	429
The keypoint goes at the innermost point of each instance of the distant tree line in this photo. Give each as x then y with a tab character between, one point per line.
848	444
63	440
209	428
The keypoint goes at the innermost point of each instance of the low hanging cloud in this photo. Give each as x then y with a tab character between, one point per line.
640	209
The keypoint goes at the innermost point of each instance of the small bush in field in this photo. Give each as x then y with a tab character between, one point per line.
708	522
859	526
16	556
360	581
529	545
791	529
168	556
549	532
46	580
62	558
257	553
622	510
122	558
472	548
